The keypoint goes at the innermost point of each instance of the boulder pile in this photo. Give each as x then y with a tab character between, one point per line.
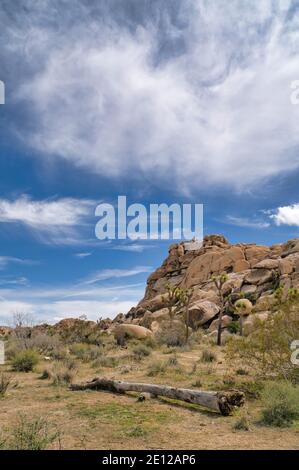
253	271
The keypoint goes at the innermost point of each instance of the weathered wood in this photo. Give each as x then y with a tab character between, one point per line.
222	402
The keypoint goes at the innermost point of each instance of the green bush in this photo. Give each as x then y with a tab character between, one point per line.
141	351
61	372
86	352
208	356
267	348
32	434
242	423
25	361
280	404
172	335
105	361
156	368
5	384
234	327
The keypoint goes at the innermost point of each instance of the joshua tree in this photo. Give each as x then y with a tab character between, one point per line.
242	307
219	281
172	300
185	296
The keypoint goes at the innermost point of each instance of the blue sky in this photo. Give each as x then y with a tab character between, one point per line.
161	101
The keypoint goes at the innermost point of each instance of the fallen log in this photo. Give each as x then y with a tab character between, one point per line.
222	402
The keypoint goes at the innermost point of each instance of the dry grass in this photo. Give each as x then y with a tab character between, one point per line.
101	420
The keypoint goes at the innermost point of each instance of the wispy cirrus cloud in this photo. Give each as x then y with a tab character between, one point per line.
6	260
133	247
158	85
247	222
83	255
50	220
106	274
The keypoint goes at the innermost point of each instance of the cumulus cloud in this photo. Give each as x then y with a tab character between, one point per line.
196	92
52	220
287	215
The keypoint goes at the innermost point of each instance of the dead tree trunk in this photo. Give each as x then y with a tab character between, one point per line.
222	402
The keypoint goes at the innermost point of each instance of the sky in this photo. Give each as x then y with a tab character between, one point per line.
162	101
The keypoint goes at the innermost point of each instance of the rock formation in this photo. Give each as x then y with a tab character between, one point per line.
252	270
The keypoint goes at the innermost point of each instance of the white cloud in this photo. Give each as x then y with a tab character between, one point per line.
52	220
105	274
52	304
5	260
286	215
245	222
135	248
82	255
217	112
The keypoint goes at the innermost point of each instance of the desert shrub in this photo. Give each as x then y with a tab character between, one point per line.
136	431
82	331
156	368
24	338
172	335
105	361
62	373
252	388
46	374
280	404
140	351
173	361
242	422
242	371
234	327
85	352
228	381
60	354
208	356
2	442
25	361
6	382
43	343
267	349
150	342
197	383
32	434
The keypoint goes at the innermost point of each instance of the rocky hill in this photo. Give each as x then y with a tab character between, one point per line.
254	271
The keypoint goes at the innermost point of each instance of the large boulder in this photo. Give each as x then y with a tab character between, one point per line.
267	264
285	266
258	276
156	303
214	262
265	302
291	246
226	320
252	322
201	312
128	330
243	307
157	316
201	294
255	253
